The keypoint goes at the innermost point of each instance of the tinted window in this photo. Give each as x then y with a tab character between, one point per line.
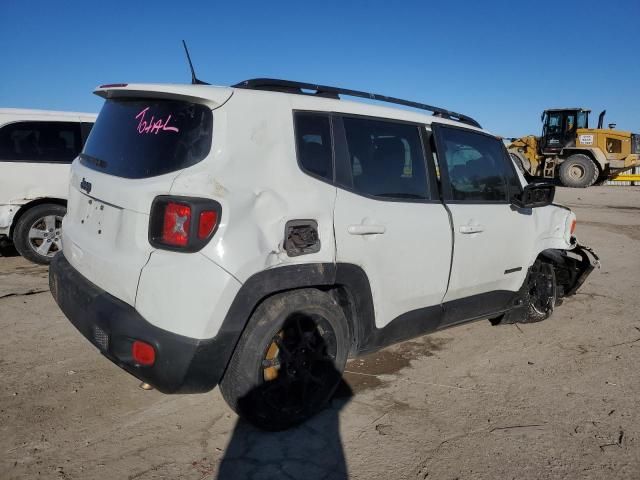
387	159
56	142
313	143
475	163
582	119
146	137
85	128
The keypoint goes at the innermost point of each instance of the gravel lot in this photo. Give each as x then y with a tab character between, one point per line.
558	399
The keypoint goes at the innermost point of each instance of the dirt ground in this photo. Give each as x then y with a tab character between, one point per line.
558	399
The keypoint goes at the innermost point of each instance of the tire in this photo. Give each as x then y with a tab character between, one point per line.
289	360
539	295
540	292
578	171
37	235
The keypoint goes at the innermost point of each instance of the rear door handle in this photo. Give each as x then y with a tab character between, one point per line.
366	229
471	229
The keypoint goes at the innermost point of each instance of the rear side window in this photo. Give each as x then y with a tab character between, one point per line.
387	158
313	144
476	165
46	142
140	138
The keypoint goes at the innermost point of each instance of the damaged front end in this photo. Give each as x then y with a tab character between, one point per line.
572	267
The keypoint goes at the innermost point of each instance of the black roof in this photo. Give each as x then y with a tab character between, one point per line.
567	109
301	88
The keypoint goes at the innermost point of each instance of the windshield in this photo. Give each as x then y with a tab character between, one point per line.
140	138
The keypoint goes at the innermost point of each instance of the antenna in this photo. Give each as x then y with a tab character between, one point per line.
194	79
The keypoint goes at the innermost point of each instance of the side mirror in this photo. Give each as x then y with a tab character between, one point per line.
535	195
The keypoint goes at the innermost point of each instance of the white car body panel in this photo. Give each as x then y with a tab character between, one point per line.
185	297
407	263
22	181
500	240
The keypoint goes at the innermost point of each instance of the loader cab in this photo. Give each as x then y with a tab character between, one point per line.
559	127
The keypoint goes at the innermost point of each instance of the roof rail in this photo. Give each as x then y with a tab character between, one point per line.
300	88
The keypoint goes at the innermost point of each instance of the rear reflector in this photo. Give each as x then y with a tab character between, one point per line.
175	227
143	353
573	226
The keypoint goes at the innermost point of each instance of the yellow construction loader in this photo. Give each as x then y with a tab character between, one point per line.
577	155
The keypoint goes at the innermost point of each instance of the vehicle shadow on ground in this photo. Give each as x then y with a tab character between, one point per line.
309	451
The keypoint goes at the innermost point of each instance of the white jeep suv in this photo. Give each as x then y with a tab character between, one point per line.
36	149
256	236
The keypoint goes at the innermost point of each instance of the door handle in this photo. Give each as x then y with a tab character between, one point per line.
471	229
366	229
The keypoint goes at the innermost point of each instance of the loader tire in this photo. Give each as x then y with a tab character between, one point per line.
578	171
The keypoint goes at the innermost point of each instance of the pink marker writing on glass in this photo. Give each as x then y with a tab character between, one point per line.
151	126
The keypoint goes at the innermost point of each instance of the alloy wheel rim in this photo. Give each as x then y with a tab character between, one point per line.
45	235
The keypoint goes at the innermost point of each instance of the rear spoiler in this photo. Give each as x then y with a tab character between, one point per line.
211	96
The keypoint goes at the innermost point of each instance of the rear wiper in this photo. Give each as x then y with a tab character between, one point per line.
94	160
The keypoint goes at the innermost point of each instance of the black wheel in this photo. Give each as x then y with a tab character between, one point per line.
539	295
541	292
38	233
289	359
578	171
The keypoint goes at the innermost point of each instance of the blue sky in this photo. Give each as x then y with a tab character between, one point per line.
498	61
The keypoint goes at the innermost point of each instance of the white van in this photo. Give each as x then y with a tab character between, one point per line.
36	149
255	236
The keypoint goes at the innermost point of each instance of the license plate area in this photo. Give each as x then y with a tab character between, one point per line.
99	219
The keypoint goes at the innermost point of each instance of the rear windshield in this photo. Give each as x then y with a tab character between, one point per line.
139	138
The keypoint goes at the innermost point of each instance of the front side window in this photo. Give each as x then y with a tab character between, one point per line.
141	138
583	120
554	124
48	142
386	158
475	164
313	144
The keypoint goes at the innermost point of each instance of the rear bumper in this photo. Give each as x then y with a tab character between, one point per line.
183	364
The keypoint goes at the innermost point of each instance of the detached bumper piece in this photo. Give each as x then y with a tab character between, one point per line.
181	364
572	267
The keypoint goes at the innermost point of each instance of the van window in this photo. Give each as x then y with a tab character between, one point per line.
476	165
47	142
387	158
140	138
313	144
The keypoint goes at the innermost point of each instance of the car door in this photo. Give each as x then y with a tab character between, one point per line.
388	219
491	236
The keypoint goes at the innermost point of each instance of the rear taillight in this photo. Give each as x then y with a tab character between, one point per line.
175	224
183	224
206	223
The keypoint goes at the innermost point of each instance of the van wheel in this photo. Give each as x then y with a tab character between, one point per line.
289	360
38	233
578	171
